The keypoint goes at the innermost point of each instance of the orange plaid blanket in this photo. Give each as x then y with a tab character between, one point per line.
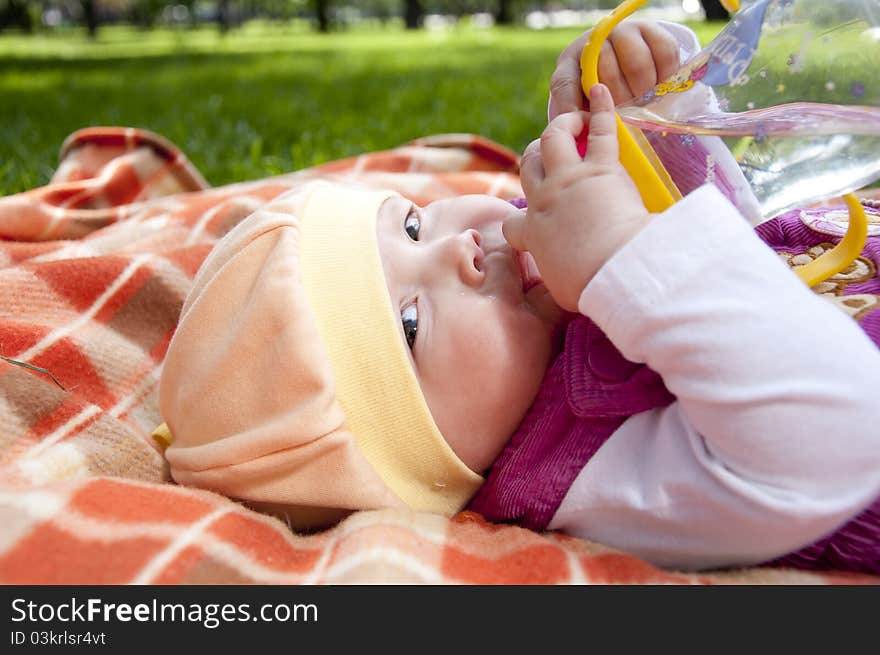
94	268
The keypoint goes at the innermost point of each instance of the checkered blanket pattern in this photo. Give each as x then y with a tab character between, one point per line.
94	268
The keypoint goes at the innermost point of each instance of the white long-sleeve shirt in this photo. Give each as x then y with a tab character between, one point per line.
774	439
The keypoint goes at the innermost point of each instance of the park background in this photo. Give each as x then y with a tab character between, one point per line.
250	88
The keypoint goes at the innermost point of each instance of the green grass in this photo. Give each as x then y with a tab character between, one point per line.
269	99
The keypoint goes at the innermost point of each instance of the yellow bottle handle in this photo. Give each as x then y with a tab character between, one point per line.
654	183
844	253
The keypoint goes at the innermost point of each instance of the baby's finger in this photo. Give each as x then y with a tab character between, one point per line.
602	147
514	230
634	58
558	145
664	49
611	75
531	168
565	83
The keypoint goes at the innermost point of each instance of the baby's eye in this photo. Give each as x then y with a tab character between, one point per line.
409	316
412	224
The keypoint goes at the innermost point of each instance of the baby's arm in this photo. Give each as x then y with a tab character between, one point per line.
774	440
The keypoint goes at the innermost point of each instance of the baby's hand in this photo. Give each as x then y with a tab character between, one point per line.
580	211
636	56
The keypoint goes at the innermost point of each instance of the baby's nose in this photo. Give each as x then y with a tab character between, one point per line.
470	257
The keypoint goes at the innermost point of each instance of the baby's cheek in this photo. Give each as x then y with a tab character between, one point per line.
504	350
513	361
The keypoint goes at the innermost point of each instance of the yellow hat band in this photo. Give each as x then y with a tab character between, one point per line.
375	382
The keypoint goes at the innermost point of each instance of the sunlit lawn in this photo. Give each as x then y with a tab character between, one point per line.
267	98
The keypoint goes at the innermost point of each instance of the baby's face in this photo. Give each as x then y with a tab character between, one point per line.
479	326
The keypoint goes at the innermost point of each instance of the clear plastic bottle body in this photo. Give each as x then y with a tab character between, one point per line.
791	88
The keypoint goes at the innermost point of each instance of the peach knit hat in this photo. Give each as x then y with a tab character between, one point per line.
287	382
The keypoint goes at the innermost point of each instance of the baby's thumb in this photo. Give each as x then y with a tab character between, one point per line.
514	229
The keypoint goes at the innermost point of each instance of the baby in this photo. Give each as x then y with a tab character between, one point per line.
664	385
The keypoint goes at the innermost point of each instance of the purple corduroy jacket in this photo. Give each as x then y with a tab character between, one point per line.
590	389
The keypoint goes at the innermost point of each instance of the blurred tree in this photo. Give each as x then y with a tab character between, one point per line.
322	14
504	12
15	13
224	16
90	16
714	10
413	13
145	12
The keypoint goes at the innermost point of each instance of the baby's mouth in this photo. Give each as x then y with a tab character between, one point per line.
528	270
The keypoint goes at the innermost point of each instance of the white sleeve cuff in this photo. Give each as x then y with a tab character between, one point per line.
664	256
